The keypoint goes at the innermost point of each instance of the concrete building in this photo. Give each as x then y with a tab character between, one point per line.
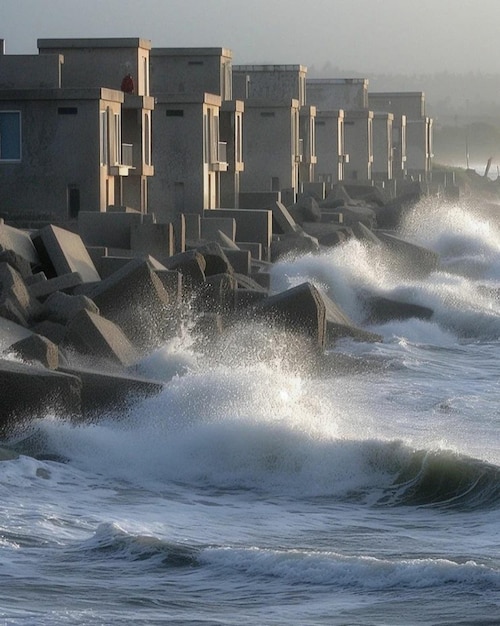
329	94
416	127
105	62
188	80
330	147
279	137
355	128
61	148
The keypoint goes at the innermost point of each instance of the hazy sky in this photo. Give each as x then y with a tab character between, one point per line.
368	36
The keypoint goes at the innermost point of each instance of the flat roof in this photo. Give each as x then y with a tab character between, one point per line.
337	81
179	52
98	42
269	68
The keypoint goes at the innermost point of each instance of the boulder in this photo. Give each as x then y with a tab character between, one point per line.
63	252
300	309
306	209
19	241
380	310
61	307
217	294
16	302
409	259
37	349
296	243
40	288
327	234
135	299
339	325
19	263
113	392
51	330
10	333
216	261
283	222
95	337
191	264
30	392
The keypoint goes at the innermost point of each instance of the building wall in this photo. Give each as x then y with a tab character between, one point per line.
102	62
330	147
330	94
359	144
409	103
30	71
269	144
192	70
60	151
270	82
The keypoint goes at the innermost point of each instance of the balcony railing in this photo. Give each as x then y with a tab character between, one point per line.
127	154
219	164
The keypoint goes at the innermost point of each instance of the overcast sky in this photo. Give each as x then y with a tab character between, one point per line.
367	36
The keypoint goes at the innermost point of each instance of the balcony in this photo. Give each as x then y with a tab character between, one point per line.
219	164
126	161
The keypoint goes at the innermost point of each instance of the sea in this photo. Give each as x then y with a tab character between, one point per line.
259	489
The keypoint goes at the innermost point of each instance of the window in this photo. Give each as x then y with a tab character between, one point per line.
10	135
104	138
67	111
73	201
117	139
174	113
147	139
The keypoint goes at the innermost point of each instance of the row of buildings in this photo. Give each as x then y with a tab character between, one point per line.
188	131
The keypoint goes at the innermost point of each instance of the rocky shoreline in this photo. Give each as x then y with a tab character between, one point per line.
70	339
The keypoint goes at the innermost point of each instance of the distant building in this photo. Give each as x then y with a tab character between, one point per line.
198	131
410	121
279	135
348	152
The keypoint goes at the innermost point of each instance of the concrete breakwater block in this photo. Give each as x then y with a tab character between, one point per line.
18	241
63	252
135	299
381	310
300	309
16	302
37	349
339	325
10	333
191	264
30	392
409	259
92	335
110	392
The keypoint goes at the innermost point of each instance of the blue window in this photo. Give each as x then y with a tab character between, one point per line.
10	136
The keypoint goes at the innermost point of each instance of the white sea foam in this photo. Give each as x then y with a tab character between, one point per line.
332	569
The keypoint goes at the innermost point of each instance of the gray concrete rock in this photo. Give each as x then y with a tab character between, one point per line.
191	264
380	310
19	263
216	261
217	294
110	392
63	252
51	330
339	325
306	209
37	349
16	302
135	299
19	241
98	338
61	307
296	243
30	392
300	309
40	289
409	259
10	332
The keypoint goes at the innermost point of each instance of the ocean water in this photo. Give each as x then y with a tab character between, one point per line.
258	490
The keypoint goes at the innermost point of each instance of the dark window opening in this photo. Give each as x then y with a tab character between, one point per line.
73	200
67	111
195	62
175	113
